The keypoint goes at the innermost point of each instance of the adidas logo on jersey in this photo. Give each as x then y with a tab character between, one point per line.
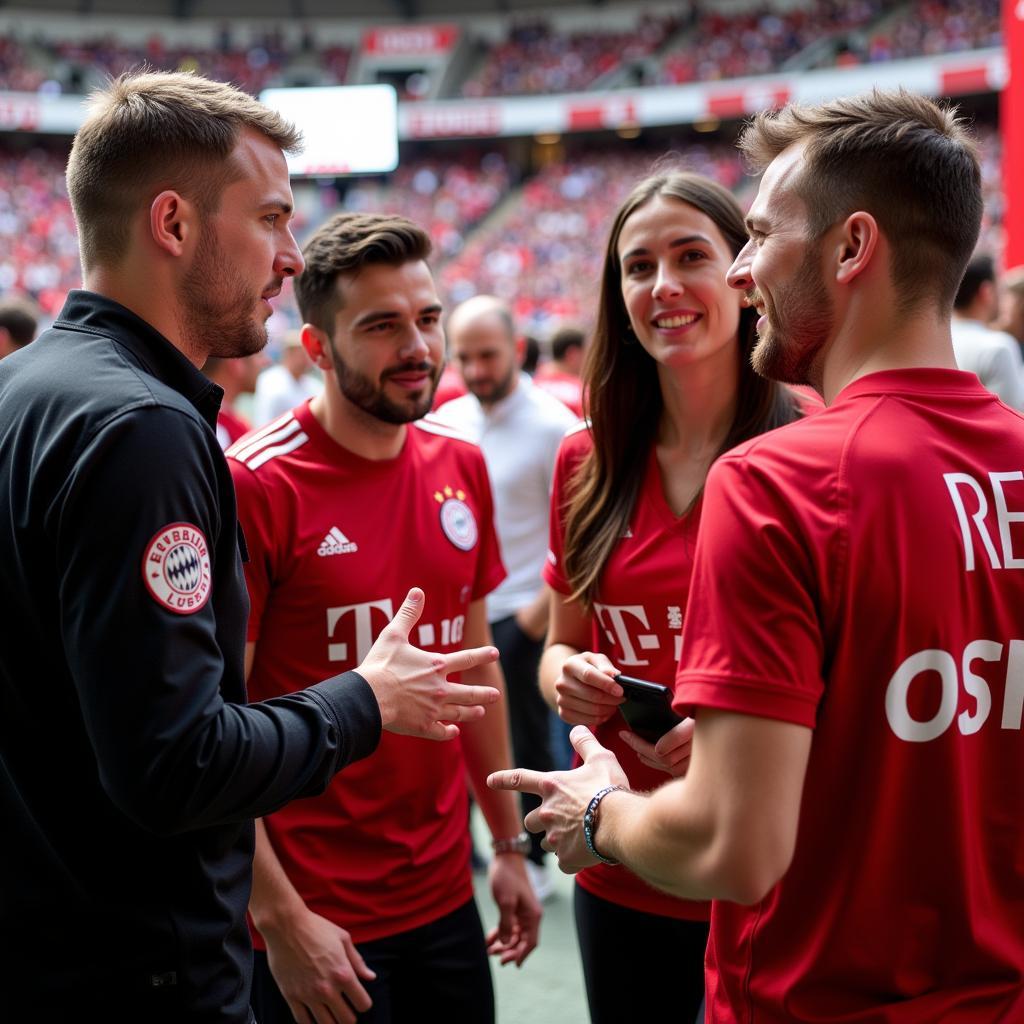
336	543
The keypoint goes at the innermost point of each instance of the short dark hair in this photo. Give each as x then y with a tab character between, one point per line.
342	247
152	130
564	339
980	268
20	319
900	157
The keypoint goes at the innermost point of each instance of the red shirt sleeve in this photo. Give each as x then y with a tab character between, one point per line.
752	639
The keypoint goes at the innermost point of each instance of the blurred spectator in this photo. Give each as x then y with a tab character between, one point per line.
935	27
993	355
237	377
19	322
758	41
537	59
77	65
286	384
561	376
1011	312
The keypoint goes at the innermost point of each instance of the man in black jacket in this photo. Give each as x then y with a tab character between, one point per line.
130	764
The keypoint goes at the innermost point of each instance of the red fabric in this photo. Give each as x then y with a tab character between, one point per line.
385	848
568	389
838	561
642	597
234	426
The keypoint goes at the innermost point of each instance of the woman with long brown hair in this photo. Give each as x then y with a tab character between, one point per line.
670	389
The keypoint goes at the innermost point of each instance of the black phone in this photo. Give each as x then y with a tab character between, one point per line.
647	708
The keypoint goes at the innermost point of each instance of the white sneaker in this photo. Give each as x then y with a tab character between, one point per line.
540	880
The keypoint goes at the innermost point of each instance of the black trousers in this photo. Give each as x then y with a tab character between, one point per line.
439	971
637	966
529	717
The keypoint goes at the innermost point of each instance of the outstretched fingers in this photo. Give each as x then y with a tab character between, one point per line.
523	780
460	661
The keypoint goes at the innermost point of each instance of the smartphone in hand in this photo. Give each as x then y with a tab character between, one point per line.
647	708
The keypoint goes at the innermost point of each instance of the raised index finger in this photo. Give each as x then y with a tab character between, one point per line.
523	780
459	661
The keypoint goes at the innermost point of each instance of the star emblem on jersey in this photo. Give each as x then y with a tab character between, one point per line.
336	543
176	568
457	519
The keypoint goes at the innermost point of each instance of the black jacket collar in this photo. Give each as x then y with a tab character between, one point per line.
97	314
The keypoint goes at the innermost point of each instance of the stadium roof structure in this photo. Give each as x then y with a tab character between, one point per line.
249	10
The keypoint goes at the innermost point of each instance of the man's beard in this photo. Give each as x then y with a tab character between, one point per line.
370	397
790	346
217	309
496	392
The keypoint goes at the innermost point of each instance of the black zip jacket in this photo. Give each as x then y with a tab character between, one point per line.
130	765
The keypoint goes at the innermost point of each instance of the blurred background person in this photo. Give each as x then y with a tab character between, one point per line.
561	375
1011	316
237	377
519	428
19	321
993	355
670	387
287	383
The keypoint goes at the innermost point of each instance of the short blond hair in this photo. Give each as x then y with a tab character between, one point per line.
152	130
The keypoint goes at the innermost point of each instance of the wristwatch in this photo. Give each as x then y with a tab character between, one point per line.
513	844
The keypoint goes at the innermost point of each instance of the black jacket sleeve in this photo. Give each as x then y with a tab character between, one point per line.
173	753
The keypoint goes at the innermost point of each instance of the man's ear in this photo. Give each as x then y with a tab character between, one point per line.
520	350
173	222
856	246
315	342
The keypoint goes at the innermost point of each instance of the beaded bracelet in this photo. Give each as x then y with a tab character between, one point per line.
590	822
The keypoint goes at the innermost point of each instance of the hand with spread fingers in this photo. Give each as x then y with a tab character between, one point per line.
412	687
671	754
586	691
565	797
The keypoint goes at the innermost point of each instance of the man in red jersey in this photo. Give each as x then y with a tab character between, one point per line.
852	648
362	898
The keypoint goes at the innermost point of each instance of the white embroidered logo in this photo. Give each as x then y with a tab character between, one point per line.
336	543
176	568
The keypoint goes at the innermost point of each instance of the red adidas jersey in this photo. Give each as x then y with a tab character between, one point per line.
861	573
637	624
335	542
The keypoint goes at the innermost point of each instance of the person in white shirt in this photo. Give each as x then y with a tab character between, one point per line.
286	384
519	428
993	355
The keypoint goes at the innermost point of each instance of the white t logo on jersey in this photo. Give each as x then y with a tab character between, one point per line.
365	633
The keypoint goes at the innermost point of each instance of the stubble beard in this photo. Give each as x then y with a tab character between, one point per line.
499	391
370	397
217	308
790	350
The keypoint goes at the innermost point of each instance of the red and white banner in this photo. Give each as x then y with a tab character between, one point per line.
1011	114
410	40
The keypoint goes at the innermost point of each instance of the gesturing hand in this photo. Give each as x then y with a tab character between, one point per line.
412	687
